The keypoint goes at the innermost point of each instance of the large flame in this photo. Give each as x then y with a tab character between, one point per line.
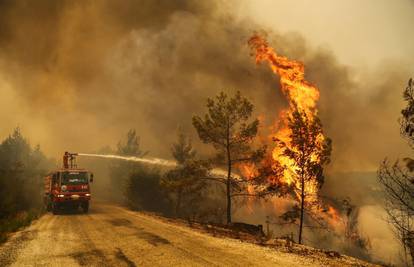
300	94
303	96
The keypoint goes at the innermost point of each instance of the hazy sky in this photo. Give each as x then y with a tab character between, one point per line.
362	33
76	75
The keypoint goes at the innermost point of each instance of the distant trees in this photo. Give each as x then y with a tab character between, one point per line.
185	182
143	190
228	128
131	145
352	233
397	180
139	184
120	171
21	175
309	153
407	119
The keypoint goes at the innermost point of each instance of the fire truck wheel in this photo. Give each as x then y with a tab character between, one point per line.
85	207
48	207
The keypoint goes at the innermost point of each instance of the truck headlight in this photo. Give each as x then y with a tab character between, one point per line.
61	195
87	194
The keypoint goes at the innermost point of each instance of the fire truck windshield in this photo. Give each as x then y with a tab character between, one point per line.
72	178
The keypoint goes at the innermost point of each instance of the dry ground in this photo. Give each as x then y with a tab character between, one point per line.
114	236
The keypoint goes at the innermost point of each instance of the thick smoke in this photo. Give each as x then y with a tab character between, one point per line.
76	75
89	70
86	70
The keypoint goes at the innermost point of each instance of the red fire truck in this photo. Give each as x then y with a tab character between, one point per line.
68	187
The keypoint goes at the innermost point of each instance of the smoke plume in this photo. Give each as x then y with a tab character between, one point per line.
76	75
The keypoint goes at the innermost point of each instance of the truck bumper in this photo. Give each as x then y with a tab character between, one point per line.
71	199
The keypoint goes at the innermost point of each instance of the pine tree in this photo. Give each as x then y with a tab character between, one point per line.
309	152
227	126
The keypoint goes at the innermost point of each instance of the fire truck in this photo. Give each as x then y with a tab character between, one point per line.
68	187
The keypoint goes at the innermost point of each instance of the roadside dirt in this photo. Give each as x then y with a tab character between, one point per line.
114	236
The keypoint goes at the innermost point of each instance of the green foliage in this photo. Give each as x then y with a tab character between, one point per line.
185	182
120	171
226	126
183	150
135	183
21	175
407	119
131	146
16	222
143	191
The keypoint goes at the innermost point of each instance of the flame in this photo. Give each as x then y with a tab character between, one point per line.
303	96
333	213
333	218
249	171
300	94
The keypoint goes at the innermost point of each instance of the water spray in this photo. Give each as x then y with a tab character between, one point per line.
155	161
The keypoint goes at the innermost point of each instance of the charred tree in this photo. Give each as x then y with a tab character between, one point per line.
397	180
227	126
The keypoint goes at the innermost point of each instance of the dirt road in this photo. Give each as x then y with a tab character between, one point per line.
114	236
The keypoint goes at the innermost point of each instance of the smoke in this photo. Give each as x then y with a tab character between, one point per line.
76	75
79	74
105	67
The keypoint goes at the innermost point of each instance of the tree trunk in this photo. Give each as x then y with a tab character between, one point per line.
410	244
302	205
178	204
228	184
228	200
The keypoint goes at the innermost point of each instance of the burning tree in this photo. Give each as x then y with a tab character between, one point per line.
227	127
301	148
308	154
398	182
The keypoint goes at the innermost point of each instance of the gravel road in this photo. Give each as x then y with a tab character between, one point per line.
115	236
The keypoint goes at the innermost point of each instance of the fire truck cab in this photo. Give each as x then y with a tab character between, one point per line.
68	187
